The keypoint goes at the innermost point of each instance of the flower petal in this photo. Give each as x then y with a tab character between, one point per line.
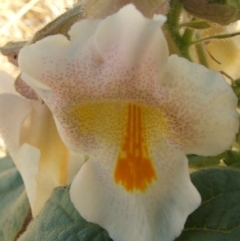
33	142
113	42
6	83
25	90
39	130
113	57
200	107
13	111
97	67
135	177
50	55
159	213
27	161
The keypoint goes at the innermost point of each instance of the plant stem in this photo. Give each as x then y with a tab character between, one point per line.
173	29
201	53
220	36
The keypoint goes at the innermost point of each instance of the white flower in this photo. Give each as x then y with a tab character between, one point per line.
118	97
33	142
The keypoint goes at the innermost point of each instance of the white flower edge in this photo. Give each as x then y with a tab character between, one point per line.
193	105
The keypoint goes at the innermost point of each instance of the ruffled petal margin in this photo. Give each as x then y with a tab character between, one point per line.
157	214
199	109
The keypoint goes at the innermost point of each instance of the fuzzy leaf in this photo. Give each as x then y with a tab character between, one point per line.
232	158
59	220
218	217
14	205
199	162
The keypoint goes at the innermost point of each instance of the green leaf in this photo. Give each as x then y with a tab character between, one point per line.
196	25
237	82
199	162
236	90
238	138
232	158
236	165
14	205
218	217
59	220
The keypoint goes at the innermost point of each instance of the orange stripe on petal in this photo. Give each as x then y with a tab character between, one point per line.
134	169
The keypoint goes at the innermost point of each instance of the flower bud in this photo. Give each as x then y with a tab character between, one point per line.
217	11
102	8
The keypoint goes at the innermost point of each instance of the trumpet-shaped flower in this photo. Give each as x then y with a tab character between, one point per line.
117	96
31	137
